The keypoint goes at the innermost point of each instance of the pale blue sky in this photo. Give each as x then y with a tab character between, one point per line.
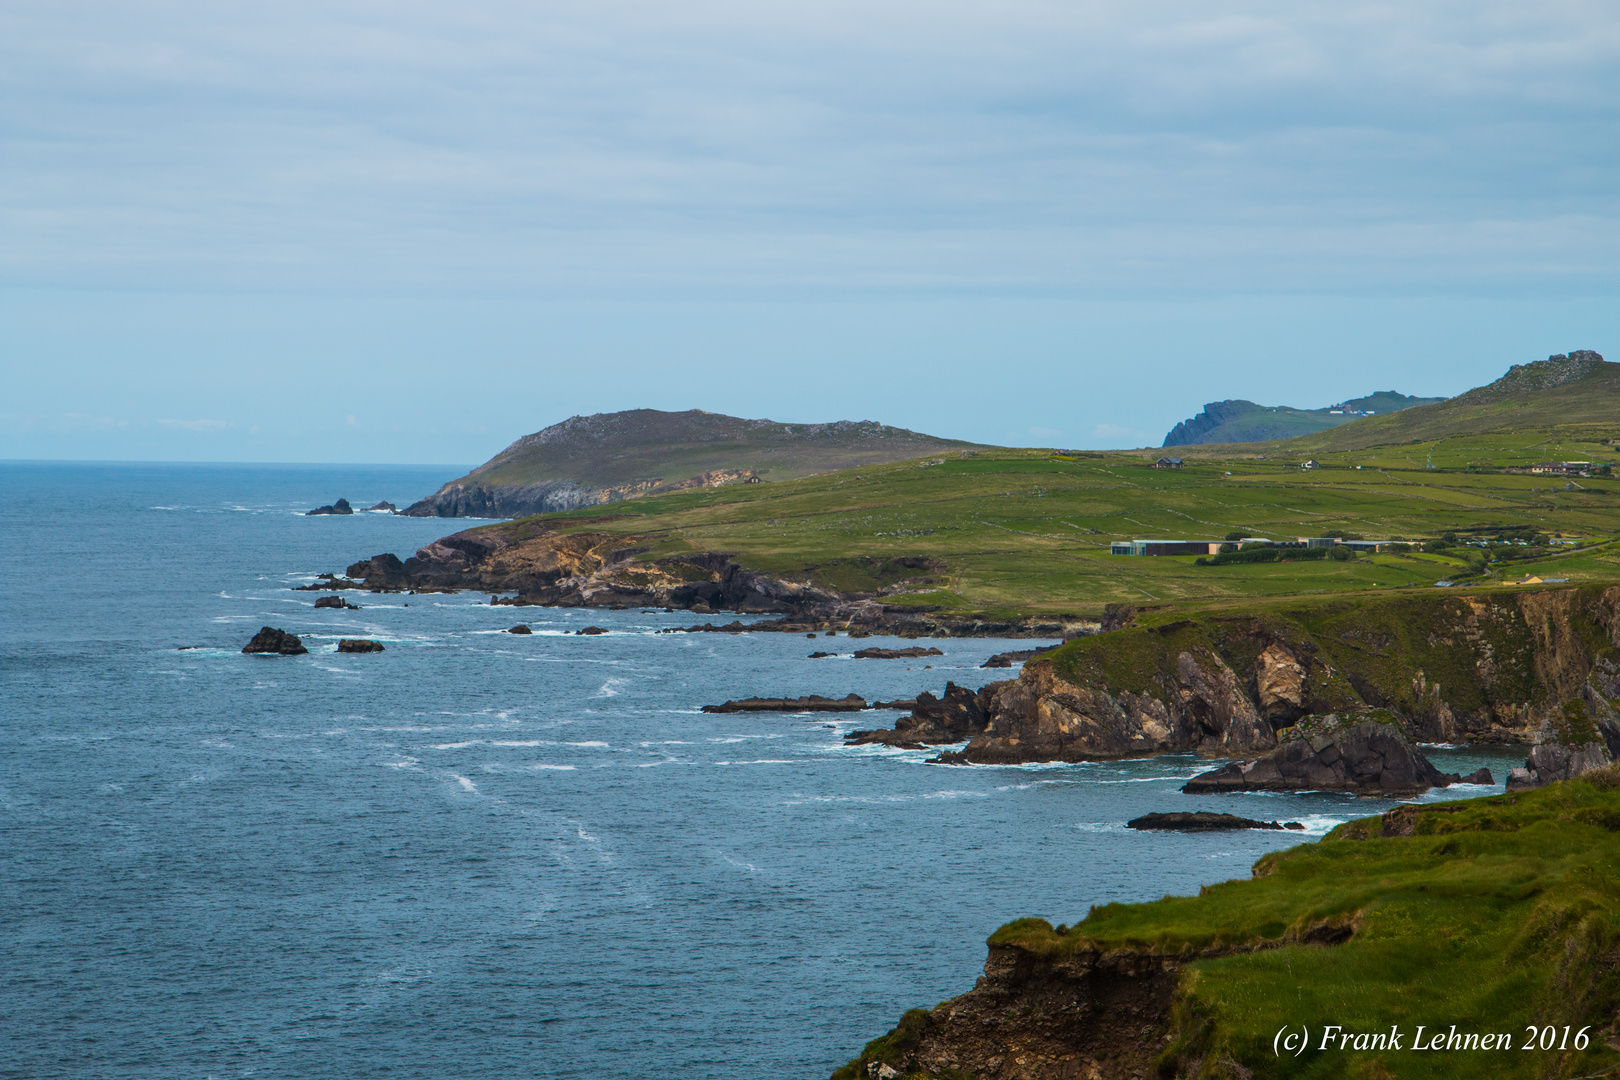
412	232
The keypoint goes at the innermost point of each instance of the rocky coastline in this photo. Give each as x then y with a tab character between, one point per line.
584	569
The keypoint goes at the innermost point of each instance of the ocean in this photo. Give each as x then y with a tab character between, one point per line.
483	855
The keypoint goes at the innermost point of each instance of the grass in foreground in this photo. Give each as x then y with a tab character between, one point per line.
1496	915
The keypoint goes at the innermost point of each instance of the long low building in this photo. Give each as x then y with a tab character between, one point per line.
1164	547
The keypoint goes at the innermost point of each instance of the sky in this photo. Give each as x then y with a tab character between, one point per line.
412	232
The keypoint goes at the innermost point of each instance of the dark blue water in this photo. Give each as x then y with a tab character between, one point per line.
480	855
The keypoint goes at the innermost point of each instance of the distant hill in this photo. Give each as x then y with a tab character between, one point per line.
1562	390
589	460
1244	421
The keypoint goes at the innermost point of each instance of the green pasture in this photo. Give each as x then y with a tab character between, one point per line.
1026	531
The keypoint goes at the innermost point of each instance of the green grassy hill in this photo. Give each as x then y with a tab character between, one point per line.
1558	394
588	460
1496	915
1245	421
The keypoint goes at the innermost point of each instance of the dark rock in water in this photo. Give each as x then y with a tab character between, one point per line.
277	642
385	506
821	655
520	628
895	654
335	602
1204	821
1008	659
591	631
1480	776
1368	757
813	703
340	507
810	635
357	645
381	573
960	714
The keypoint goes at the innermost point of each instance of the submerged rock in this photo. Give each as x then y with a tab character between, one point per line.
1369	757
275	642
340	507
359	645
813	703
1204	821
895	654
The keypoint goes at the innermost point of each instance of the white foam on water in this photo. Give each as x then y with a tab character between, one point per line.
456	745
538	766
760	761
522	742
742	738
1099	826
610	688
588	742
466	784
1320	824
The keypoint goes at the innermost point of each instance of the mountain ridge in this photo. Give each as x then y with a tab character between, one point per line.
1241	420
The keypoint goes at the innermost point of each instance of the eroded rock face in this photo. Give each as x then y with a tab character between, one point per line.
1366	757
1279	682
277	642
340	507
1041	716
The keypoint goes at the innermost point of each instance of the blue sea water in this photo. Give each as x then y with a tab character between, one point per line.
476	854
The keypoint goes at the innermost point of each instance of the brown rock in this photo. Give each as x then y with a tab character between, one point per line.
813	703
359	645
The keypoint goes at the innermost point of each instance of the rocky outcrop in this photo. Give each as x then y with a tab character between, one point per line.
1042	716
271	641
1017	656
812	703
1203	821
359	645
594	569
960	714
340	507
1367	757
520	628
334	602
590	631
384	508
329	582
1585	736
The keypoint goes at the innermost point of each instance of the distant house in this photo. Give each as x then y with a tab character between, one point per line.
1168	463
1311	464
752	478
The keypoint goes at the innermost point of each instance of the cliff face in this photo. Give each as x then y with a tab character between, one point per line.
1488	667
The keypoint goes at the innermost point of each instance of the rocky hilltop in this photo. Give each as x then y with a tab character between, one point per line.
590	460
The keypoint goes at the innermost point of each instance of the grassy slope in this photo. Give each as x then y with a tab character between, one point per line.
1022	531
1590	405
1495	914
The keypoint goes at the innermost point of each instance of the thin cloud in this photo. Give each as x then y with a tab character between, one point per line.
196	425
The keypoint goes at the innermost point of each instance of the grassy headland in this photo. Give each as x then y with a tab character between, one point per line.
1496	915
